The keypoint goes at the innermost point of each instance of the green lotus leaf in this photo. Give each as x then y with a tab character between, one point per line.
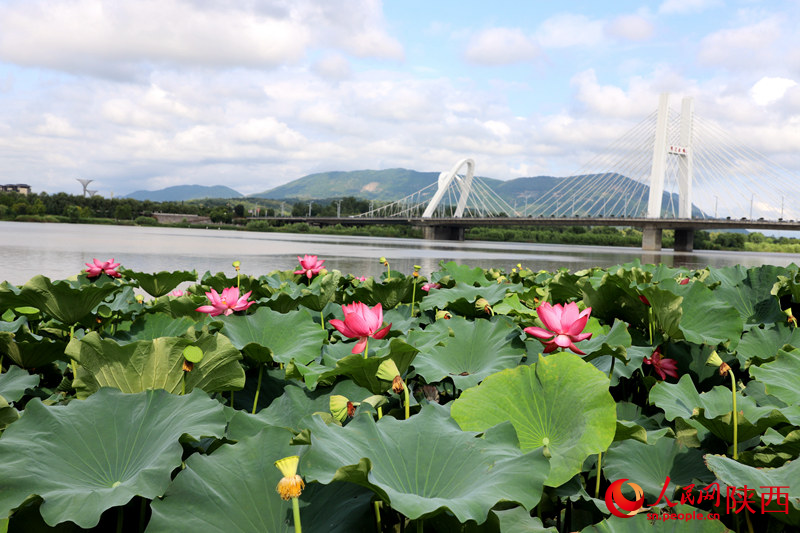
763	344
713	409
477	349
389	293
734	474
156	364
292	409
28	350
183	306
514	520
694	312
233	490
561	402
511	305
461	298
267	335
321	291
160	283
13	327
649	465
67	302
612	294
781	376
427	464
641	522
355	366
89	456
123	304
464	274
7	415
778	450
14	382
750	295
221	281
155	325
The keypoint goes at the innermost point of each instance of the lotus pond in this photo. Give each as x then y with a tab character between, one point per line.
463	400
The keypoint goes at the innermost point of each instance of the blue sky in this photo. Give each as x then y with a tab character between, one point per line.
252	94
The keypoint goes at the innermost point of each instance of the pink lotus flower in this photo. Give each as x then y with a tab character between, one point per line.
428	286
227	303
309	265
361	322
177	293
644	300
663	366
107	267
684	281
359	278
564	325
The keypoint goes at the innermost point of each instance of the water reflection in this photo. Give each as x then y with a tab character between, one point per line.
60	250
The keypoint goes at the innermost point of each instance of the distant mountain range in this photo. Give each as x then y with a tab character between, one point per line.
180	193
393	184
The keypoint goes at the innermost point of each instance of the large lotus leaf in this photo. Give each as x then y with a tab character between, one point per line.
29	350
64	301
389	293
477	349
233	490
511	305
649	465
160	283
220	281
292	409
693	312
14	382
464	274
713	409
734	474
268	335
153	326
89	456
427	464
612	294
183	306
781	377
751	296
461	298
514	520
156	364
321	292
13	326
355	366
763	344
641	522
561	402
7	415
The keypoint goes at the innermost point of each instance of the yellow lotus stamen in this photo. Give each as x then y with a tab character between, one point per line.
290	487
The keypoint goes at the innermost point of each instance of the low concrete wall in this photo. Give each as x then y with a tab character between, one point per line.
177	218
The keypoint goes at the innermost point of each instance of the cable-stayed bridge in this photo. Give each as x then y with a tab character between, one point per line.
673	170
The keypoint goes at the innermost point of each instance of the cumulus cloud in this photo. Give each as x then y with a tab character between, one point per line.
741	48
501	46
687	6
630	28
569	29
768	90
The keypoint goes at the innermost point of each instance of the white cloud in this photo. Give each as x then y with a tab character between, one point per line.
683	7
769	90
630	27
741	48
568	29
501	46
56	126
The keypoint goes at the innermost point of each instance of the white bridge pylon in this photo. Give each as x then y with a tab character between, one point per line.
452	195
446	179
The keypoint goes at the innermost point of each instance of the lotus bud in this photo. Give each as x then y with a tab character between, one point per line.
339	406
442	315
482	304
513	270
291	485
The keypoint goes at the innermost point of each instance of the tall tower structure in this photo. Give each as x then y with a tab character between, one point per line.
85	184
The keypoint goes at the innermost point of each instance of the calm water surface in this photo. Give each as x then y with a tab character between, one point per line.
60	250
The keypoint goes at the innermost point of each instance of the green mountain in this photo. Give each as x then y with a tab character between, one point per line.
384	185
180	193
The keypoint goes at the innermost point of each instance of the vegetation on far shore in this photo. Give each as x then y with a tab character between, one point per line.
233	213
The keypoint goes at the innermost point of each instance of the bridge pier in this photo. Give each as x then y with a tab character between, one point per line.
684	240
651	238
443	233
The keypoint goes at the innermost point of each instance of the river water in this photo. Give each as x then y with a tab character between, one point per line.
60	250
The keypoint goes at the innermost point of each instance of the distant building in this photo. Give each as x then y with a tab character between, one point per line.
21	188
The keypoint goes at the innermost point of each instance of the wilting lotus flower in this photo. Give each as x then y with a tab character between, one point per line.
227	303
107	267
564	326
428	286
361	322
663	366
310	265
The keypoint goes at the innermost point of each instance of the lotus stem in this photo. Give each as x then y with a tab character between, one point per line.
74	363
322	320
120	520
377	506
420	525
597	482
366	348
407	403
388	272
1	364
735	417
650	327
231	398
380	412
296	513
183	383
258	388
413	294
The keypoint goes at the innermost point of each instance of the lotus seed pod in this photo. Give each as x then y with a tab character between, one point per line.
338	407
387	370
236	264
